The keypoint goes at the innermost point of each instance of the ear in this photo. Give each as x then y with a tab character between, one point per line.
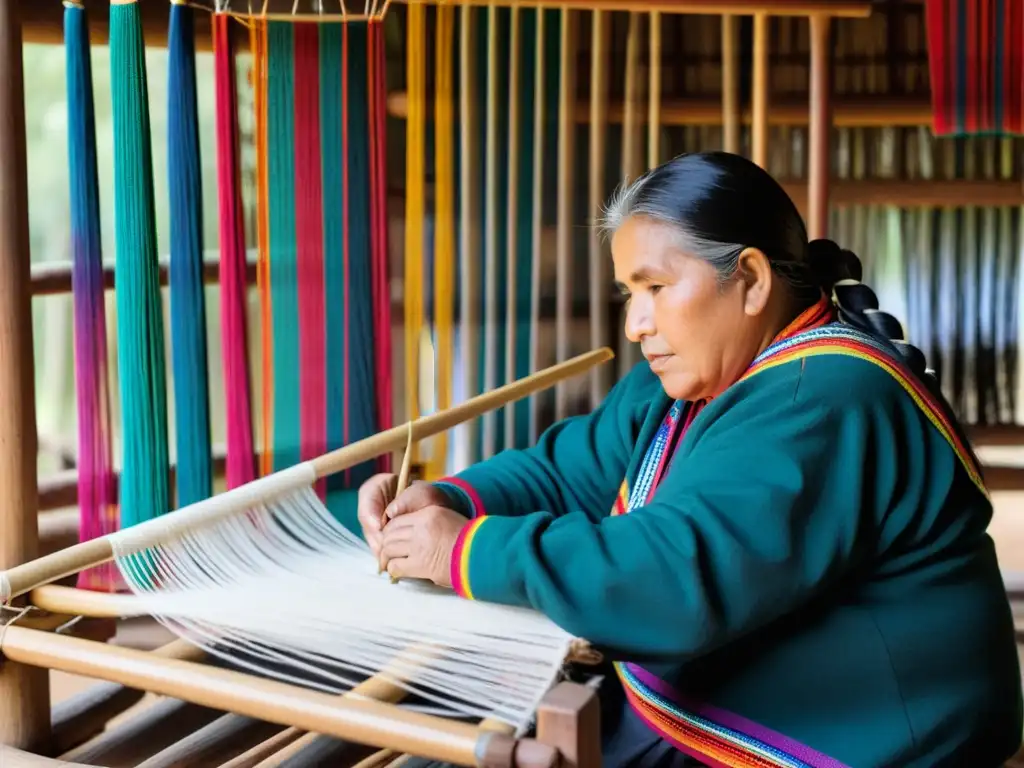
755	275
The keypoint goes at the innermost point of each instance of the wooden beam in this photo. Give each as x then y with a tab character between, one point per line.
43	22
847	112
24	690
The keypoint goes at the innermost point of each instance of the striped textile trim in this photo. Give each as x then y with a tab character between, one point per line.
718	738
459	568
844	340
464	491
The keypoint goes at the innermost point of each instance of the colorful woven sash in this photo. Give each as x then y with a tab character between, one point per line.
716	737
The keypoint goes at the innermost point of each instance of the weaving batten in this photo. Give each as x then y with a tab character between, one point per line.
140	332
240	467
194	474
97	497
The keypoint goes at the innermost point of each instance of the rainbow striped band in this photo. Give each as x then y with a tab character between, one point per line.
843	340
459	568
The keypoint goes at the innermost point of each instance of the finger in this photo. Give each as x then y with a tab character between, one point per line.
412	499
396	548
398	568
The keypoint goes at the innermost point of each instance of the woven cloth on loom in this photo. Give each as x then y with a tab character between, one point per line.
976	64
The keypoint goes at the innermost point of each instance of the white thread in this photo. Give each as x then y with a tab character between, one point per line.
286	591
136	538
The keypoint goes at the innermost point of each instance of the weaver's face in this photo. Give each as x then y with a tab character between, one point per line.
696	332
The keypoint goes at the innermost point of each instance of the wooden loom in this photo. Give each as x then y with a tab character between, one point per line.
256	728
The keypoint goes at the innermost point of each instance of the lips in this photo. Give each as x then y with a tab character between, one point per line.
658	362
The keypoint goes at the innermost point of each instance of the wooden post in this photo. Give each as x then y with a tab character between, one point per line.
759	96
569	719
24	691
820	128
730	85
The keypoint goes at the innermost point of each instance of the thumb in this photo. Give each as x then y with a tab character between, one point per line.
414	498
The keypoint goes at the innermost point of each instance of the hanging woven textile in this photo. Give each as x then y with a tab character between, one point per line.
97	495
976	64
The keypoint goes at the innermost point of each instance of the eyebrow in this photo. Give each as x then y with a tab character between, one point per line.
641	275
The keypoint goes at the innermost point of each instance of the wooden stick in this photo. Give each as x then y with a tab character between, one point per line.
24	692
344	718
44	570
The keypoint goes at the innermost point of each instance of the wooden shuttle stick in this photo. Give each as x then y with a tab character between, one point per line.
24	578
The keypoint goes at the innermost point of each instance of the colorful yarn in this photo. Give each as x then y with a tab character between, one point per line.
309	261
976	63
444	226
187	297
140	332
323	258
380	278
282	252
97	495
415	205
240	463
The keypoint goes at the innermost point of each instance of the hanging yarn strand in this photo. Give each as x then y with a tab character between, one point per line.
380	273
141	367
97	499
188	304
233	285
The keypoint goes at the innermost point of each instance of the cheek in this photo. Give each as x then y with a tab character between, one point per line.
687	317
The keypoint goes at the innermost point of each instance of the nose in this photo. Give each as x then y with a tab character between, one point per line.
639	319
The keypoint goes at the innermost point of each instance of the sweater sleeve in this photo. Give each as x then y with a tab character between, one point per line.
578	464
768	501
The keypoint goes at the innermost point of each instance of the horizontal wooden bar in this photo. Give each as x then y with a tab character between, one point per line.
359	720
859	9
51	278
923	193
848	112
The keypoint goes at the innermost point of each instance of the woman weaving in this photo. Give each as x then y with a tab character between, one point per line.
774	526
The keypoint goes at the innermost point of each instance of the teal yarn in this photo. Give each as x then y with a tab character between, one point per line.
331	152
361	419
187	297
142	374
287	406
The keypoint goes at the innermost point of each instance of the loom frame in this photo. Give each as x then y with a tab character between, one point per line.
567	719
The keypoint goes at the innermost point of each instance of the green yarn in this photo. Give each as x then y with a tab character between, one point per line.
140	331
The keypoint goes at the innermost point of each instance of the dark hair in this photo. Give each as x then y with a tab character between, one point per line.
720	203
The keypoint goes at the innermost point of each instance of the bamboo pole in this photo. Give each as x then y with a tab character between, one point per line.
24	691
821	127
49	568
358	720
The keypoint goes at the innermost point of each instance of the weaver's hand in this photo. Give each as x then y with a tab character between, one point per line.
419	544
374	496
